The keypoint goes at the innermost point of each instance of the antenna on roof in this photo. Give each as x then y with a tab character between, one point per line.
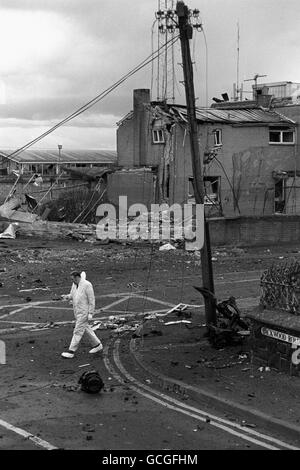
237	87
256	76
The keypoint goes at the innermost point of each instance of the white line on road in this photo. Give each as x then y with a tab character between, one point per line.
35	439
201	415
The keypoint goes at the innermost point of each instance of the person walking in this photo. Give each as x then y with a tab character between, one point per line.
83	299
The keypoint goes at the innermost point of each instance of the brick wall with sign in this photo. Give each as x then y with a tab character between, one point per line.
275	339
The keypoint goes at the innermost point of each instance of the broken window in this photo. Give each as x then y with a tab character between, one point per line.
281	136
158	136
212	189
212	186
217	137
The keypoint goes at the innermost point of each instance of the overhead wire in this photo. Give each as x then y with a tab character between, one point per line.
99	97
152	51
230	184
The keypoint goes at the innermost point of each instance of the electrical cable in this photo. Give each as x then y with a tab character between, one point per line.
97	201
206	67
86	205
98	98
229	182
152	51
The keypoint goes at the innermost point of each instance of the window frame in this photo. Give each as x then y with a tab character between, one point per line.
281	133
218	142
159	131
207	201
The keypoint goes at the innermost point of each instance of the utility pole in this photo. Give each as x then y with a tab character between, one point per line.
186	33
59	158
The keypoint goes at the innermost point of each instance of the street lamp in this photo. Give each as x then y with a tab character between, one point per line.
59	156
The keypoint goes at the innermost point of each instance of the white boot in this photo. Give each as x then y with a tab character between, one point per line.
68	355
96	349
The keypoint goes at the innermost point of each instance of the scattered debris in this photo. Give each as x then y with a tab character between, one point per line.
230	328
167	247
177	322
134	285
266	369
248	425
10	232
88	428
91	382
178	308
70	388
243	356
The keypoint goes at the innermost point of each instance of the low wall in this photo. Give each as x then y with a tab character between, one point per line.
255	231
275	340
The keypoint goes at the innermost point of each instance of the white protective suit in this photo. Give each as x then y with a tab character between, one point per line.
83	300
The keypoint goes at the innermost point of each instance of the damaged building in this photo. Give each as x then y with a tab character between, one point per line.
53	185
249	157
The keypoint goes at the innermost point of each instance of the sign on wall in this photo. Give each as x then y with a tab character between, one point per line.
280	336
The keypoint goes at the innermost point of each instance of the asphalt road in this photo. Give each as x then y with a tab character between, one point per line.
40	404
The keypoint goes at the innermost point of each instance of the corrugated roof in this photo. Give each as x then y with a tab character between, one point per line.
67	156
251	115
236	116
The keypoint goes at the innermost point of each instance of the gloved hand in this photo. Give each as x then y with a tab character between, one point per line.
90	317
65	297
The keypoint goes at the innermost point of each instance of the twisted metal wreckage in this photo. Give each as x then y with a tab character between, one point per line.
18	213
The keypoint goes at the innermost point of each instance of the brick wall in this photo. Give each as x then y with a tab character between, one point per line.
255	231
274	352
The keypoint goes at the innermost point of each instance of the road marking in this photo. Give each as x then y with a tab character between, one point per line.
236	281
193	412
18	310
35	439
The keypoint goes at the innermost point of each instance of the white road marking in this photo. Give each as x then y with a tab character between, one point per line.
236	281
35	439
197	413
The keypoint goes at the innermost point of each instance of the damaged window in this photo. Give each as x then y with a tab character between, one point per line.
281	136
158	136
212	189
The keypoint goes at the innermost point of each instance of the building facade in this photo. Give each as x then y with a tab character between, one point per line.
248	156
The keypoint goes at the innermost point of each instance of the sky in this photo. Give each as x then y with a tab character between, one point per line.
56	55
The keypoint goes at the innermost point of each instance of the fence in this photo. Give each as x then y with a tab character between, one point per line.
280	287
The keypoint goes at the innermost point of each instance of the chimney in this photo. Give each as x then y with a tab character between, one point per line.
141	98
263	100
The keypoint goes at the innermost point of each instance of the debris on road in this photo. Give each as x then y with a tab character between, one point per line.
230	328
177	322
178	308
10	231
167	247
248	425
91	382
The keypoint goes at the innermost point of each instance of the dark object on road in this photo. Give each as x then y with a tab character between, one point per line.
230	328
91	382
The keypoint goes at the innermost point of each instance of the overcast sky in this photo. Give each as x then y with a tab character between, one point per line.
58	54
